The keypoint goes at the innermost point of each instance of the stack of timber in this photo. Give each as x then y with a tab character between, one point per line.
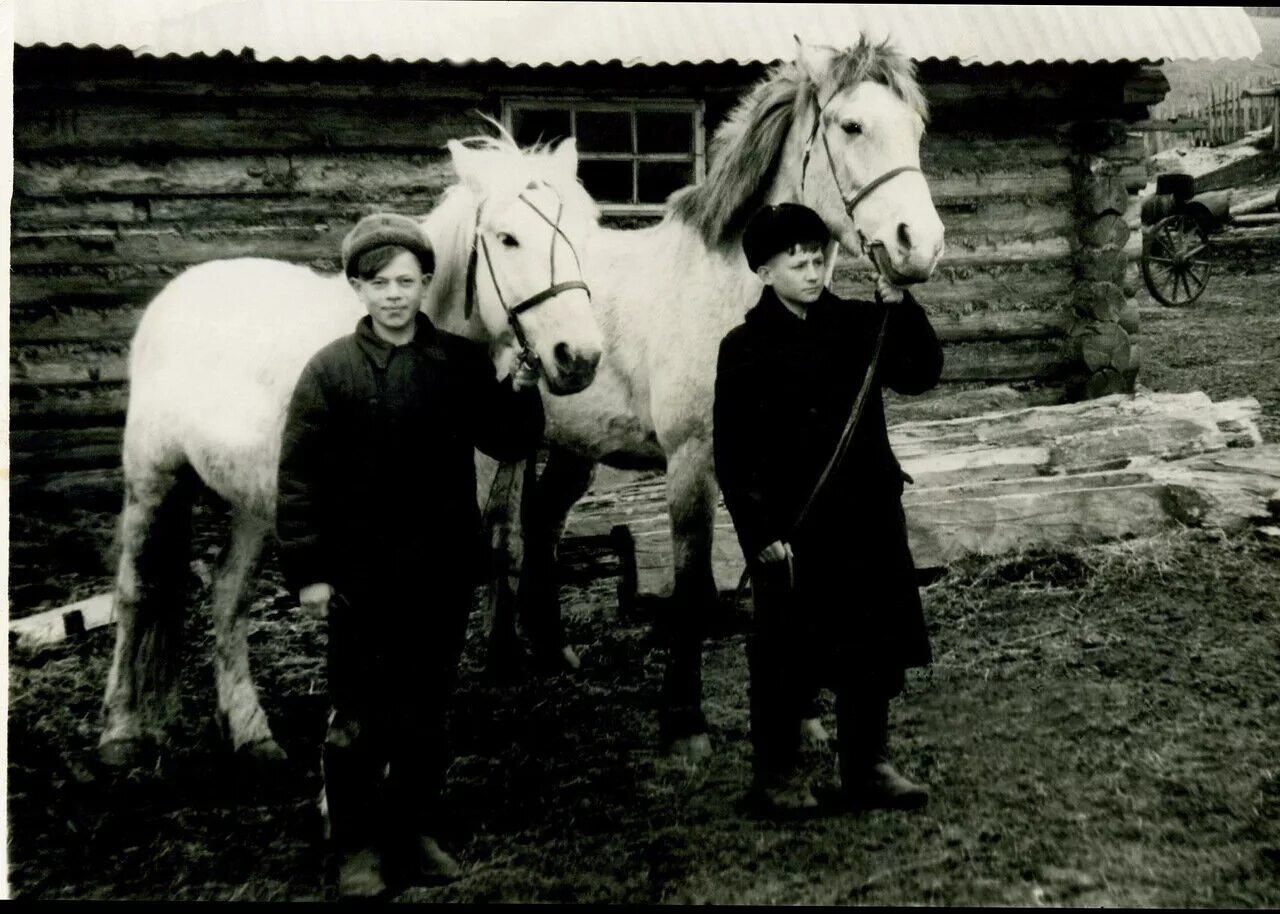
1042	477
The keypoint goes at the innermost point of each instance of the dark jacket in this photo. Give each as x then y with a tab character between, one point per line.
377	473
784	391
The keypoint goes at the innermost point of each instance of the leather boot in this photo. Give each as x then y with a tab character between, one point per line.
429	864
785	798
867	779
360	875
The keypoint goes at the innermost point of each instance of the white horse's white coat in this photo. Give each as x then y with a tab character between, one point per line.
213	366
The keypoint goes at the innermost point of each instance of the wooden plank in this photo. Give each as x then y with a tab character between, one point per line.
56	625
234	125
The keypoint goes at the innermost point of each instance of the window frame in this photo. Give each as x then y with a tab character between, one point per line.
695	108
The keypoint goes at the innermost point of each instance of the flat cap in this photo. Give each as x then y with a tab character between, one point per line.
385	228
780	227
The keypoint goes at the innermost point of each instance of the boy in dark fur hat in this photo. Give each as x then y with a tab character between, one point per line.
836	602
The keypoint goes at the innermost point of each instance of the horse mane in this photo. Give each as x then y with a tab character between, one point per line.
748	146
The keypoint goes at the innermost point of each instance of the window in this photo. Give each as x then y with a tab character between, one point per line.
631	154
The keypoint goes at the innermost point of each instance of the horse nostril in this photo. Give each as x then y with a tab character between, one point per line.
904	236
563	355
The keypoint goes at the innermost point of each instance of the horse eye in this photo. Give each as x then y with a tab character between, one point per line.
853	128
508	241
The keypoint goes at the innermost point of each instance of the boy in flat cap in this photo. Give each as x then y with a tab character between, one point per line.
378	526
836	603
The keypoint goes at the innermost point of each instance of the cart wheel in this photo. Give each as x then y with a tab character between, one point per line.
1175	260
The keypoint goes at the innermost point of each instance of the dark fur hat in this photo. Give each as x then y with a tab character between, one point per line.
774	229
386	228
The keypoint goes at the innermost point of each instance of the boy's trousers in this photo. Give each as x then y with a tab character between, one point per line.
790	658
393	663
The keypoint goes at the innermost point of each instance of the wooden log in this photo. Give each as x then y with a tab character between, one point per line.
1107	381
1100	266
88	490
234	125
172	245
67	406
1102	345
338	175
1257	219
37	214
215	212
1005	220
1014	360
959	400
76	285
1041	286
1256	203
47	450
1002	325
1229	489
1102	195
1097	301
54	626
1046	184
1108	231
74	325
68	363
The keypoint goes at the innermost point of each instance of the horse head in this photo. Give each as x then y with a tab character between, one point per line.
508	239
859	119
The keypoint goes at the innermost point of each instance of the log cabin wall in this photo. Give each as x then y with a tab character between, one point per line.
129	170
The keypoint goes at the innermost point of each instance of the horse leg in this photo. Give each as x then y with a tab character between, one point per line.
141	697
239	712
503	495
691	502
564	480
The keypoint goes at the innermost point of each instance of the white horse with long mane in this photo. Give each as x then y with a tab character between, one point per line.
212	366
836	130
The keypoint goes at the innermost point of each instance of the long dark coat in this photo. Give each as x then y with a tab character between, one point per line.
377	473
785	387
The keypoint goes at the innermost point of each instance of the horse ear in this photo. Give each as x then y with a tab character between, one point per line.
565	157
465	162
814	60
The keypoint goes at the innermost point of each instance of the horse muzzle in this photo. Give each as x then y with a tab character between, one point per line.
570	370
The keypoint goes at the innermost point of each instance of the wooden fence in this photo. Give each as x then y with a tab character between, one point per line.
1220	115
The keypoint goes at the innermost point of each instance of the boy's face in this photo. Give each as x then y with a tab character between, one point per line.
796	275
393	297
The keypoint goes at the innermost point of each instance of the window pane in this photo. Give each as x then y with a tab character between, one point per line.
607	182
659	179
530	126
664	131
604	131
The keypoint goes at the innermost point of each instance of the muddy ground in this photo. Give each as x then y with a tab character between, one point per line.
1099	728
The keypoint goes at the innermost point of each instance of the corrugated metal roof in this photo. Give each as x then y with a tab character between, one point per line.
537	33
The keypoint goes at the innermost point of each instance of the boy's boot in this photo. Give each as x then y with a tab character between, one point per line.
867	779
429	864
789	796
360	875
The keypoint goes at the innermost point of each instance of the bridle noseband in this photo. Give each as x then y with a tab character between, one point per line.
850	201
513	312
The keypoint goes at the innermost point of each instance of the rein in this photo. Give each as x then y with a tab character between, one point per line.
513	312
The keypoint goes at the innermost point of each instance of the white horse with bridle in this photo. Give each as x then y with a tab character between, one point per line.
836	130
211	369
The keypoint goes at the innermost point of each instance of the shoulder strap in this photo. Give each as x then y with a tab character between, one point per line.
850	426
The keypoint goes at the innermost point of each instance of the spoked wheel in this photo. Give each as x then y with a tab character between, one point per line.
1176	260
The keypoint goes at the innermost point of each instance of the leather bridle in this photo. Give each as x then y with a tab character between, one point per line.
850	201
513	312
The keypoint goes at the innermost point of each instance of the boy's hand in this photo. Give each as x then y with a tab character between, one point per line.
889	293
314	599
524	375
776	551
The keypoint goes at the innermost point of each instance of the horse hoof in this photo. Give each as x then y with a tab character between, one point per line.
127	753
813	734
691	749
262	755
